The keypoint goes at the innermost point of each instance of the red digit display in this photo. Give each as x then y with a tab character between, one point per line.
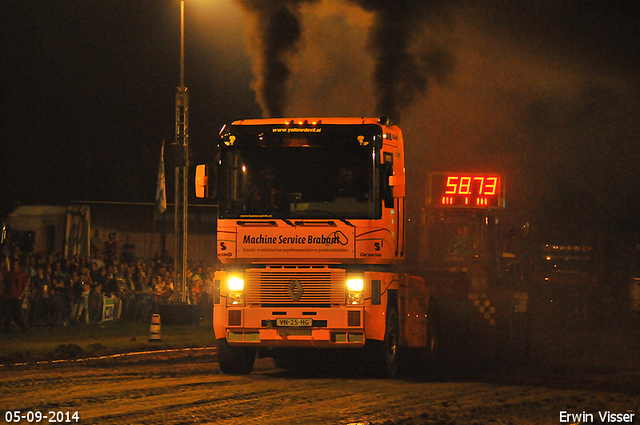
466	190
452	185
465	186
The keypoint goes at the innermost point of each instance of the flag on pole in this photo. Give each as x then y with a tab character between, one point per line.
161	190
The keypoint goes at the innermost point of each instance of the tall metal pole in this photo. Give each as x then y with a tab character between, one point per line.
182	44
181	190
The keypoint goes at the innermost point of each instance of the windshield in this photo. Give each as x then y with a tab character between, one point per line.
292	172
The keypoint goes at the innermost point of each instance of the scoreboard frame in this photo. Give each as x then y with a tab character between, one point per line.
466	190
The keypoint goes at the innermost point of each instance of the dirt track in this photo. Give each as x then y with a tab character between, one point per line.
184	388
576	370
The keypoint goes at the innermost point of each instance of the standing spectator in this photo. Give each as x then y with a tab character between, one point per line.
101	279
112	290
162	292
74	292
96	244
70	299
16	283
79	293
30	266
87	283
96	293
127	290
57	272
57	300
197	289
40	297
208	281
111	249
144	294
189	282
94	273
206	298
195	285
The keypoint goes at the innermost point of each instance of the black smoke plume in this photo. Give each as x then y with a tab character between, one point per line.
406	58
278	33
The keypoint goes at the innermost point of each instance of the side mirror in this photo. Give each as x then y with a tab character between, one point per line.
202	181
397	183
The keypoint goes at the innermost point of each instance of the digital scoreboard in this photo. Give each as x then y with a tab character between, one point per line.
466	190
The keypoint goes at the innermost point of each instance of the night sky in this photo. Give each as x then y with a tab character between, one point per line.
545	92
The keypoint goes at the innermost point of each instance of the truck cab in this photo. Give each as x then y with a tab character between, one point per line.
310	232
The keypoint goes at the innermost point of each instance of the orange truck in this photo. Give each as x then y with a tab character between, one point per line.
311	237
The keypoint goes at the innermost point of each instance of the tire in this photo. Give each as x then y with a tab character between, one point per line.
390	345
235	360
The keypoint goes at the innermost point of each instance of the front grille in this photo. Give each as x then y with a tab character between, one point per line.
296	332
274	286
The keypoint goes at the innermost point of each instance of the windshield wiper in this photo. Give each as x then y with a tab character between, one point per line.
288	222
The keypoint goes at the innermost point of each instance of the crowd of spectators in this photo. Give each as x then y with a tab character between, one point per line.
50	290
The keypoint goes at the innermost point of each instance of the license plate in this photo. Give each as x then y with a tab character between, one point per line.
294	322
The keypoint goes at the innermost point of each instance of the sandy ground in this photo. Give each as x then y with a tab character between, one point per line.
574	374
584	372
178	389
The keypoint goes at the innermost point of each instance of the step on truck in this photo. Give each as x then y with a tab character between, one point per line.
311	237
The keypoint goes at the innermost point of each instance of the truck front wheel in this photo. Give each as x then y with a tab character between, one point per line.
235	360
390	348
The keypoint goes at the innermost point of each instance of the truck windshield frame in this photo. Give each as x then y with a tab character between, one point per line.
299	172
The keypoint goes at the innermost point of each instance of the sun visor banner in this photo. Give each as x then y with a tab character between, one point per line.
290	242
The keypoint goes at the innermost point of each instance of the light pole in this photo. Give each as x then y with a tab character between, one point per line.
181	191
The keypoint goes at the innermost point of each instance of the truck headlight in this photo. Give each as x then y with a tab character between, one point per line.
355	286
235	295
236	283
